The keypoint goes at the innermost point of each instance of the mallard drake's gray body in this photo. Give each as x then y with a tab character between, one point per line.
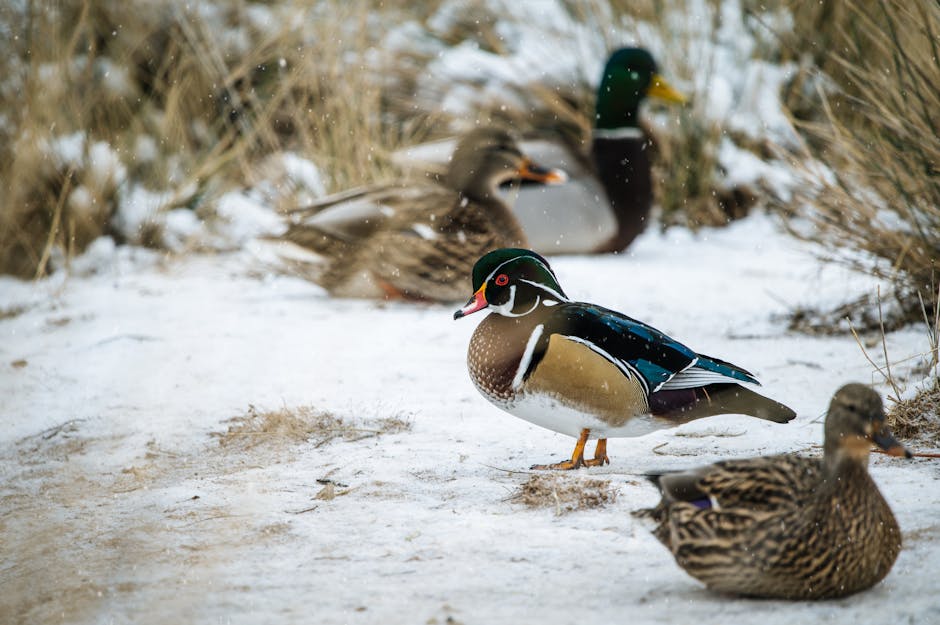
418	241
584	370
788	526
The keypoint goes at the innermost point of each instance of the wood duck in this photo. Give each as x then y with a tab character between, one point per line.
418	241
583	370
787	526
606	203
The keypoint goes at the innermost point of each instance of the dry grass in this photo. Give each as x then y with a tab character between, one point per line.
564	494
152	96
864	314
688	177
881	137
918	418
299	425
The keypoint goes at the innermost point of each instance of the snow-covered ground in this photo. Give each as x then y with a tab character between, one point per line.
120	504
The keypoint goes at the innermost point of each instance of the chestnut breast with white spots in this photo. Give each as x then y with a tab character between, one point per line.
495	352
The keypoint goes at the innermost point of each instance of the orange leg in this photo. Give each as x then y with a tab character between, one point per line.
577	456
600	455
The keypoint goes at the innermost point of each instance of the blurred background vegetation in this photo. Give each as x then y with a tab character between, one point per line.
105	99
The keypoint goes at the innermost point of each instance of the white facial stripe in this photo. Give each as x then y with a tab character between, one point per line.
553	292
625	367
527	356
500	266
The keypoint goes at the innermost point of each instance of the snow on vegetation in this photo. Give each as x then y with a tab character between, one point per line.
192	438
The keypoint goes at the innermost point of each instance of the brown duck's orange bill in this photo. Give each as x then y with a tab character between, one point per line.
477	302
885	440
661	89
533	171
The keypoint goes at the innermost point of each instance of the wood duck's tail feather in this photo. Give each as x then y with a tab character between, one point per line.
714	399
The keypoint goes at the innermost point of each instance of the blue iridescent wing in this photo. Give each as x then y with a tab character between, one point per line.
636	348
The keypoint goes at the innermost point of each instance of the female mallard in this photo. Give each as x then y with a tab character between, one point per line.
583	370
787	526
419	241
606	203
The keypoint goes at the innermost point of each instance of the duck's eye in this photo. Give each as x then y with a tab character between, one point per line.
502	280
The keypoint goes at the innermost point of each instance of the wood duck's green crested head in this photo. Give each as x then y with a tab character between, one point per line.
486	157
629	77
856	420
512	282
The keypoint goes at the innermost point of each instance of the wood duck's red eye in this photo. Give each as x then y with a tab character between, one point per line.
502	280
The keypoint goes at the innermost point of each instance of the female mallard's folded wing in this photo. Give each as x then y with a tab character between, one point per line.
756	484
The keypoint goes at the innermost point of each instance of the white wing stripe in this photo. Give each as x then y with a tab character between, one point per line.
662	384
625	367
694	377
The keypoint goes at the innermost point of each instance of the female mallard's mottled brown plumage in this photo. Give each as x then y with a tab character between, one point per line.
787	526
419	241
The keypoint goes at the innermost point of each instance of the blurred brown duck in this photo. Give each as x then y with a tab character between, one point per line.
787	526
419	241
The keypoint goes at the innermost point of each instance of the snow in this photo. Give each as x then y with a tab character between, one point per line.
120	503
243	218
302	172
134	512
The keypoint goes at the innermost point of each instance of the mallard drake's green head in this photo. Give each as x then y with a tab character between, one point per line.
512	282
629	77
855	421
486	157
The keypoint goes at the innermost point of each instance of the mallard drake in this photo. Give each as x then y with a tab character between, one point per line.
788	526
586	371
606	203
419	241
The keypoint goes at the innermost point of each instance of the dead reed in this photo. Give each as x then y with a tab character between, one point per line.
880	137
105	98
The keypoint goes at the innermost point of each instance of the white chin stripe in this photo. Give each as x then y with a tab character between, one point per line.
506	309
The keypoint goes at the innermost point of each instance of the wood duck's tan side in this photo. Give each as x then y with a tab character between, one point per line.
570	374
573	374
